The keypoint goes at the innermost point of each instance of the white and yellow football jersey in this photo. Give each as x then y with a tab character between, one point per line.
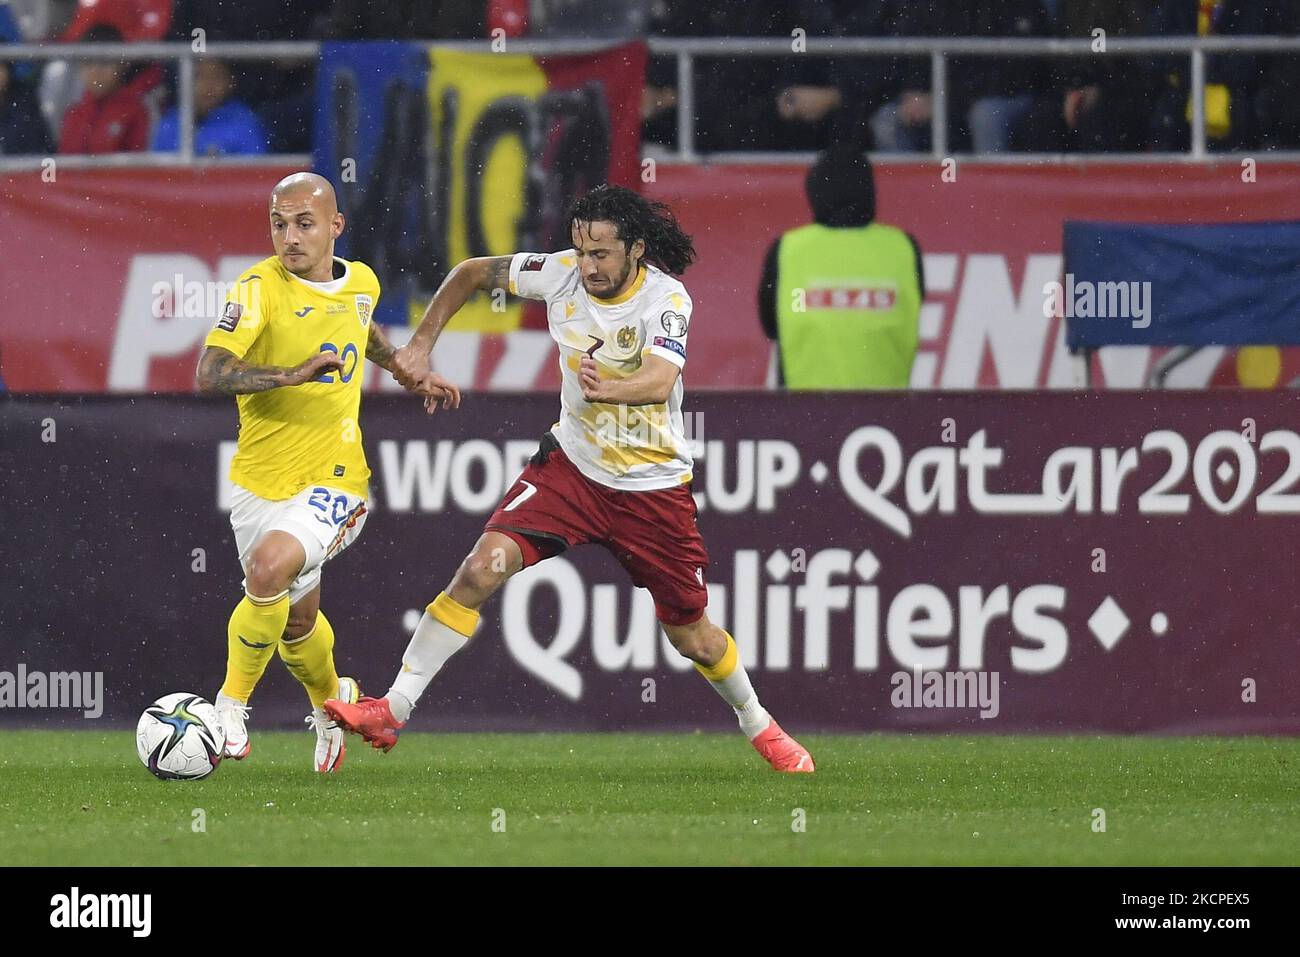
297	436
629	447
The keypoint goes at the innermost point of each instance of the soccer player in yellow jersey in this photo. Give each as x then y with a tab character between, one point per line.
289	346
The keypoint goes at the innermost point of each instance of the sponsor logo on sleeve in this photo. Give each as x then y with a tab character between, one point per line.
672	345
230	317
674	323
533	264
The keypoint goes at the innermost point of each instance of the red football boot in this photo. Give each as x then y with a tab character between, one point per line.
370	718
780	750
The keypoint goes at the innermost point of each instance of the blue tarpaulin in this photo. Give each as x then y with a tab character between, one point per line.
370	133
1203	285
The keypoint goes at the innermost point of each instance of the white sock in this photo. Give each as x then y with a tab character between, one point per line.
753	717
736	690
431	645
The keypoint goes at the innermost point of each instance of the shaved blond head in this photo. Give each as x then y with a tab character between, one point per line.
303	185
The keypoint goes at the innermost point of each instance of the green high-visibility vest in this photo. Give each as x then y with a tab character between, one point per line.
848	307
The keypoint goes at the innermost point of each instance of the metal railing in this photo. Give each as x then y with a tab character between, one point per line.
686	52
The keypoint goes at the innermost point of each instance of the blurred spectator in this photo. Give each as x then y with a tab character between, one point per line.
134	20
279	91
1231	80
838	101
733	95
1097	101
508	16
842	296
222	125
9	32
22	130
111	116
659	98
757	103
988	96
39	19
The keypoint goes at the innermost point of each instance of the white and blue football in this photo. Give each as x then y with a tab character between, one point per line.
180	738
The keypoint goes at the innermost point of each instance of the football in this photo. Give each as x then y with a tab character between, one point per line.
180	738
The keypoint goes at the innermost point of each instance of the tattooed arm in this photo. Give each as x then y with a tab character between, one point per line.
433	387
221	372
483	273
378	349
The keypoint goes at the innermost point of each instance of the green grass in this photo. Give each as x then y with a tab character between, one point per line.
81	797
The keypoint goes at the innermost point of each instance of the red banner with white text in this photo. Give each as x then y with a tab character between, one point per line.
114	276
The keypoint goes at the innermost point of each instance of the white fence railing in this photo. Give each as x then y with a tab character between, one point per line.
687	52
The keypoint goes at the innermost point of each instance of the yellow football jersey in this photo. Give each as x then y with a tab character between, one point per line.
297	436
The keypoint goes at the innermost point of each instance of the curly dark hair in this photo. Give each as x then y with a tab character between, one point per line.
636	217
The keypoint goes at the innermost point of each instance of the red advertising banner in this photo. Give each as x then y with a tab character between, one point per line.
991	239
1109	561
111	276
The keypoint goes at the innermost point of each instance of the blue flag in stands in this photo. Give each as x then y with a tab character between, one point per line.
1203	285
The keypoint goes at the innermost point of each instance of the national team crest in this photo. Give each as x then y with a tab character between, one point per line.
364	306
626	337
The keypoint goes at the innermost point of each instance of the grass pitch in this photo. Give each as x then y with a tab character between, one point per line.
82	798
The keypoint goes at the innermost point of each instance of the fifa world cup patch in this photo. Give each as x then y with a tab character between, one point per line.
672	345
674	323
533	264
230	317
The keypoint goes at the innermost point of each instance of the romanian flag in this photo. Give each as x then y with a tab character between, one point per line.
441	155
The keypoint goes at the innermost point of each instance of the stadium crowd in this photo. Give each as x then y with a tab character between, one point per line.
1072	103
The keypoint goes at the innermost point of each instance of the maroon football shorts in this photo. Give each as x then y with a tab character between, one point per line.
553	506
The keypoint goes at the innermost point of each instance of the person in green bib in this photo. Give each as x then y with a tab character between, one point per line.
842	296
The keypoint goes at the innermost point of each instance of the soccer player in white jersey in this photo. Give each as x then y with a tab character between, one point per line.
614	470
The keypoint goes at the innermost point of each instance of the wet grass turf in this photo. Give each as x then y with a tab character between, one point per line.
79	797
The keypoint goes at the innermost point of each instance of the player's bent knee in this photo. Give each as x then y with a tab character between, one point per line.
481	573
272	569
269	578
690	640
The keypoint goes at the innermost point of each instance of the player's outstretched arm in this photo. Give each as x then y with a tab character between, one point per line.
433	387
411	361
221	372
